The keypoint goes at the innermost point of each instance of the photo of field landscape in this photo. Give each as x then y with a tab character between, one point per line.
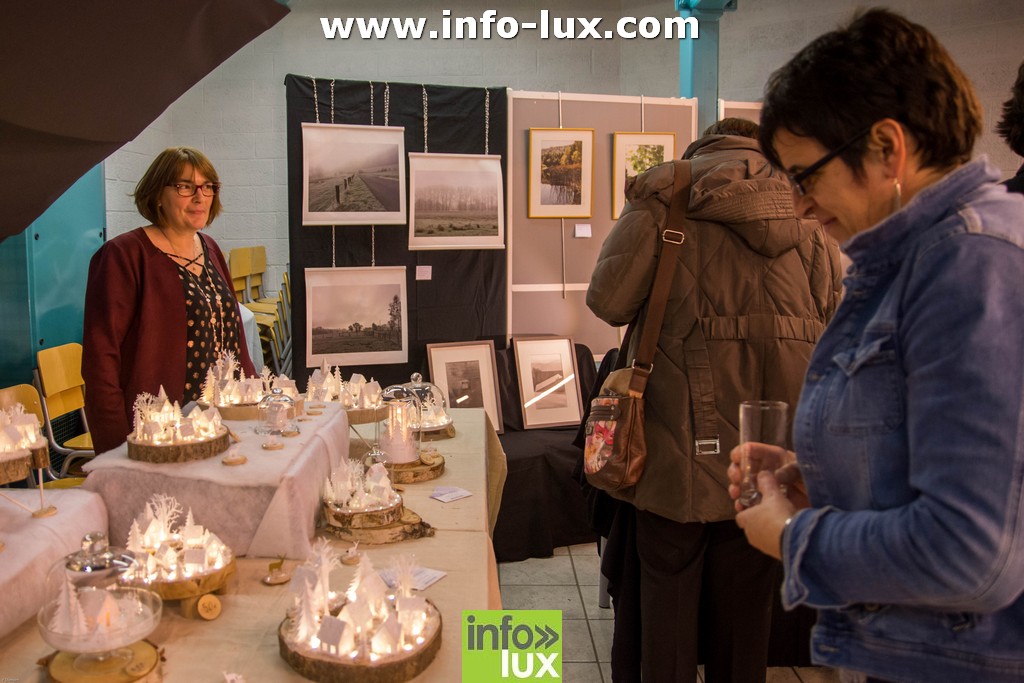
456	202
356	315
356	319
353	175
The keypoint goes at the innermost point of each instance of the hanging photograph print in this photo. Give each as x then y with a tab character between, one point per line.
356	316
353	175
456	201
561	173
634	153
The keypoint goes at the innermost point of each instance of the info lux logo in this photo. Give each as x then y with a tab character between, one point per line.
506	645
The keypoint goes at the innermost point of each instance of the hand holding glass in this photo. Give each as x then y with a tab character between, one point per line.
764	422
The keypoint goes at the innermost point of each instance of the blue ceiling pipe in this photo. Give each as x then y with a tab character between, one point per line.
698	57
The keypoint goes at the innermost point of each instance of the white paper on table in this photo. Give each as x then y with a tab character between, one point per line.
447	494
421	577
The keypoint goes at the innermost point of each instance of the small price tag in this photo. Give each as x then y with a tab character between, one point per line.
422	577
583	230
424	272
447	494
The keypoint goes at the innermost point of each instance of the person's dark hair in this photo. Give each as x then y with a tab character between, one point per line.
733	126
880	66
166	169
1011	125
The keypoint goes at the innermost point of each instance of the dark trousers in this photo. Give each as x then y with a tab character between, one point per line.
705	596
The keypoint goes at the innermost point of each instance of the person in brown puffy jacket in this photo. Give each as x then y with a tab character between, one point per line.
753	289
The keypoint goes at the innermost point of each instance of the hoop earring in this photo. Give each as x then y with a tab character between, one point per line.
897	195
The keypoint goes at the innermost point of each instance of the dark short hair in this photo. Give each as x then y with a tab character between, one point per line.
166	169
733	126
879	66
1011	125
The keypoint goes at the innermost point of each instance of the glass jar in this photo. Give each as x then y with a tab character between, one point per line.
433	405
398	438
276	414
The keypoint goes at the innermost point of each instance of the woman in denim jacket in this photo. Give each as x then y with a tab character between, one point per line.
907	530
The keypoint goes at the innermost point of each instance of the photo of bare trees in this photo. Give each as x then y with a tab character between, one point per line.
352	175
356	316
456	202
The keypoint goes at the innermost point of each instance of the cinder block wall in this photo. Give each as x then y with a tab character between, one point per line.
236	115
984	38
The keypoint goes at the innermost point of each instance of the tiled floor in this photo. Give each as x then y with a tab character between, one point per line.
569	581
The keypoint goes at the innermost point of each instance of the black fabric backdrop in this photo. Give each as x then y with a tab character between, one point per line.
466	298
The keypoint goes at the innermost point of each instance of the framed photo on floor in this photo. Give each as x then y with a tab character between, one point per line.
456	201
356	316
353	175
632	154
561	173
549	387
467	374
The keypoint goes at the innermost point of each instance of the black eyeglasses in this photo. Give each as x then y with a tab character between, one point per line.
187	189
798	179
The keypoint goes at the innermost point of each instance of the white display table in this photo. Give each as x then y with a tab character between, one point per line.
243	639
34	544
264	508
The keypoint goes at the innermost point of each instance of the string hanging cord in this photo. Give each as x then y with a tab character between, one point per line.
316	101
487	120
425	117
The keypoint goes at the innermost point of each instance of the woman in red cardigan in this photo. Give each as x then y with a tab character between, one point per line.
159	308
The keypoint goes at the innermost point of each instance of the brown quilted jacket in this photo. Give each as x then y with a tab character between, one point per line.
758	283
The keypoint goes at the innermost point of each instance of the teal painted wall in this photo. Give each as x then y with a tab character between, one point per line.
43	272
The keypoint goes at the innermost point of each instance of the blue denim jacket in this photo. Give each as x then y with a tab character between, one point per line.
910	436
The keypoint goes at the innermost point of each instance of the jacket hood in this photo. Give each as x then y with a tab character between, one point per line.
735	186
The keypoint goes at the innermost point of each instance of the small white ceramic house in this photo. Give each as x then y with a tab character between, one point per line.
357	613
388	638
195	560
335	635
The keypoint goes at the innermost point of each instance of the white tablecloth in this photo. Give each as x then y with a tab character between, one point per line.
252	337
264	508
33	545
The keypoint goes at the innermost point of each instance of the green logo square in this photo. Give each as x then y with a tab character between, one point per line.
509	645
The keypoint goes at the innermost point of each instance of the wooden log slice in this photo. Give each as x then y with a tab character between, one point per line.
326	669
346	519
410	526
144	667
429	466
16	468
41	457
194	587
178	452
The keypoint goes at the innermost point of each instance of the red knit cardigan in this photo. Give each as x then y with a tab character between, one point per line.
134	334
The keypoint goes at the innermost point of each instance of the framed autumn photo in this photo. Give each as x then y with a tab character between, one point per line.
561	173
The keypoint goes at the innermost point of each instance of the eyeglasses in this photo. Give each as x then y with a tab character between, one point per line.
798	179
187	189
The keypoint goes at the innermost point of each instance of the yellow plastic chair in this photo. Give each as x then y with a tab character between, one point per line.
59	380
240	265
258	266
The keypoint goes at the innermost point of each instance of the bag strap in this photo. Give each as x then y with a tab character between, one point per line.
672	238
